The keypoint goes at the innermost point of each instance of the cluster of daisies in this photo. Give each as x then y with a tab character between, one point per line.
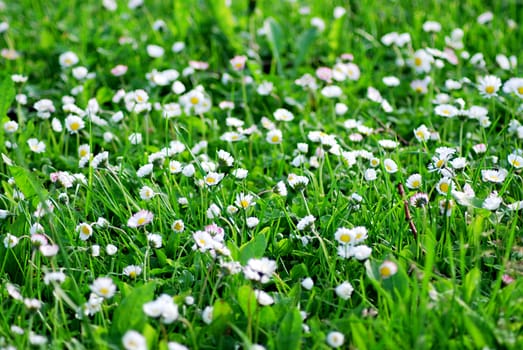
197	168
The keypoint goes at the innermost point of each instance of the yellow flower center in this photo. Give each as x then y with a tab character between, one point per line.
440	163
417	61
275	138
419	89
132	274
75	126
345	238
520	90
385	271
244	203
194	100
83	153
490	89
234	137
178	226
85	230
210	180
104	291
416	183
516	163
444	187
141	221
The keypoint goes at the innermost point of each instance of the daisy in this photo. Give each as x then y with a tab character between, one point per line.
489	85
85	230
178	226
144	170
344	290
305	223
207	314
445	185
146	193
282	114
515	160
414	181
370	175
495	176
68	59
388	144
238	62
155	51
390	166
252	221
141	218
420	86
514	85
231	136
263	298
307	283
492	202
265	88
244	201
391	81
419	200
10	241
84	151
297	182
175	167
225	158
345	236
422	61
155	240
331	91
446	110
36	146
132	340
132	271
388	269
212	178
103	287
260	269
10	126
274	136
240	173
335	339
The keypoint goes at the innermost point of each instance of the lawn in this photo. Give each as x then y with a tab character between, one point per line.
211	174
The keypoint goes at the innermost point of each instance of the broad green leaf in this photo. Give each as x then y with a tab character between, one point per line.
267	317
276	41
303	45
221	316
360	336
299	271
255	248
471	284
129	314
247	300
223	16
289	333
7	95
475	333
26	182
150	335
182	17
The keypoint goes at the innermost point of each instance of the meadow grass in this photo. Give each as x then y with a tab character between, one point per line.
261	174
